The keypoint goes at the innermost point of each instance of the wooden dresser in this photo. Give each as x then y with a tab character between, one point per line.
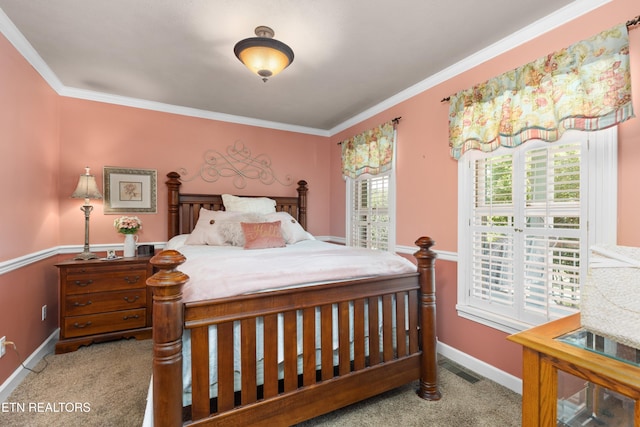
103	300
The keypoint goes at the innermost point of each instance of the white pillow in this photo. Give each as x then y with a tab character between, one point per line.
208	229
292	231
176	242
261	205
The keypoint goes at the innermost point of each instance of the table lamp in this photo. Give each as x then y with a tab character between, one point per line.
86	189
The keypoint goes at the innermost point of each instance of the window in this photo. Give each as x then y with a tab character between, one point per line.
370	218
527	218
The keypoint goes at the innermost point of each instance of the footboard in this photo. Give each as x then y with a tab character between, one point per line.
285	356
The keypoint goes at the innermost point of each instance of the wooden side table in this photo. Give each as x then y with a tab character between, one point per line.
546	355
102	300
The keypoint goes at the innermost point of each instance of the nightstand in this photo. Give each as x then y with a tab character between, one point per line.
572	377
103	300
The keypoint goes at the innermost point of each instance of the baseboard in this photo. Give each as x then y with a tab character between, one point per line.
486	370
48	346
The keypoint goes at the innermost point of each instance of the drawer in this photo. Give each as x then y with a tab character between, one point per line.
91	324
78	282
76	305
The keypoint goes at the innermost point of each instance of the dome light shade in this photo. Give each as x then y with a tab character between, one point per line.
264	55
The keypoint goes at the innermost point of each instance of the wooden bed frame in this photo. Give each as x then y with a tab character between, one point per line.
295	397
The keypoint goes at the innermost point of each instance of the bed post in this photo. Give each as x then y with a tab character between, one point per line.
173	184
168	323
302	203
429	367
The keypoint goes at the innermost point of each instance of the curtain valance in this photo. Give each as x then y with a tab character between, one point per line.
586	86
370	152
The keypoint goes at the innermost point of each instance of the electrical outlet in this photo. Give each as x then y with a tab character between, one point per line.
2	350
44	312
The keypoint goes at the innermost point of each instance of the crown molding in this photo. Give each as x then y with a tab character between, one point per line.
186	111
23	46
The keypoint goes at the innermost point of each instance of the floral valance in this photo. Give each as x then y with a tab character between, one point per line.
370	152
586	86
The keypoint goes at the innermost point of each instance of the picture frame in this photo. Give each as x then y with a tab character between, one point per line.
129	190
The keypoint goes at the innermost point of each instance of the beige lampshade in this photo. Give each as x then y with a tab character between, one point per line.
87	187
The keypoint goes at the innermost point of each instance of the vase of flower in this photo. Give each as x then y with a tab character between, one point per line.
129	226
130	241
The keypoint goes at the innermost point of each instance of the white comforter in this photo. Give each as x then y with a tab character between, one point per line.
221	271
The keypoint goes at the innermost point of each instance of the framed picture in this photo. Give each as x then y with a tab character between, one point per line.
129	190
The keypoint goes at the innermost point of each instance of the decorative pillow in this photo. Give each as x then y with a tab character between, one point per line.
261	205
262	235
292	231
207	230
231	230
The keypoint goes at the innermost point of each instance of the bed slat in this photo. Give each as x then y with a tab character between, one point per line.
248	362
387	328
401	333
225	367
358	335
309	346
200	372
327	342
270	356
343	341
290	351
374	338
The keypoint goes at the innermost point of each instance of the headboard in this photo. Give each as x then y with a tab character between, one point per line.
184	209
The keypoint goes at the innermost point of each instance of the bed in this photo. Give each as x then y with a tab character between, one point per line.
287	354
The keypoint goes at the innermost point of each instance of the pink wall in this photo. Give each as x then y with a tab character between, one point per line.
427	176
98	135
23	292
29	150
29	156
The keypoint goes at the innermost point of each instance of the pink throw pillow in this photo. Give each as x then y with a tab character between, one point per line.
262	235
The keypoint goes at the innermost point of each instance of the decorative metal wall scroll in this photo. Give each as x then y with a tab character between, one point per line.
238	163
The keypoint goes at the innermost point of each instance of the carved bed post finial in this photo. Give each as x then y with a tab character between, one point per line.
302	203
173	184
426	259
167	285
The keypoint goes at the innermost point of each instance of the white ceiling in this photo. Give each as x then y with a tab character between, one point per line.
351	56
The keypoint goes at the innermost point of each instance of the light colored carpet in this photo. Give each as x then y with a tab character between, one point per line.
110	382
101	385
480	403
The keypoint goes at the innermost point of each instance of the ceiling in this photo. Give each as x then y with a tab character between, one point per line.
351	56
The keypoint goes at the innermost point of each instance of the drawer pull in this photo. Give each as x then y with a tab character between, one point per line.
127	299
130	317
78	304
79	326
132	281
83	284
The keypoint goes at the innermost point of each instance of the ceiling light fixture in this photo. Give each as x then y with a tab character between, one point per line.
263	54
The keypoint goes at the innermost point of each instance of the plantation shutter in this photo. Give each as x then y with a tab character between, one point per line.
526	230
370	221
